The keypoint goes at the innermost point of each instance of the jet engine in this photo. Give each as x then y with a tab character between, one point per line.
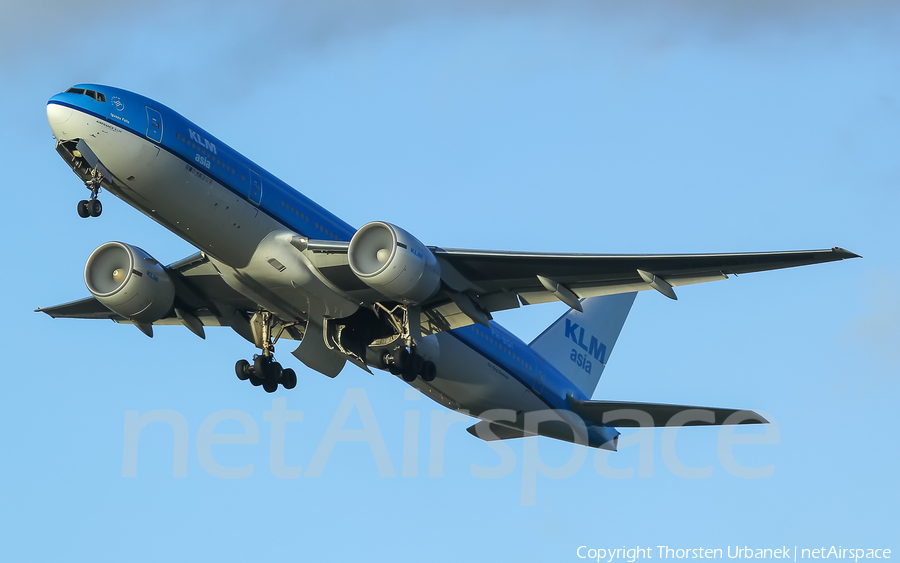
129	282
393	262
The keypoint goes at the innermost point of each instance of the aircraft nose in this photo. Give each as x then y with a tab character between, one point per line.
57	114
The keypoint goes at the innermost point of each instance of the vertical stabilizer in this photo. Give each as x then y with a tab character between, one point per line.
579	344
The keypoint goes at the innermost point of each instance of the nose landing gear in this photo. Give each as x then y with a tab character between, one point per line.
91	207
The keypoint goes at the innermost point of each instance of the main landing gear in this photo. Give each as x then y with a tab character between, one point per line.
265	370
91	207
404	360
408	364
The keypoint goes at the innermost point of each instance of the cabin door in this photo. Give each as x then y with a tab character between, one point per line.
255	188
154	125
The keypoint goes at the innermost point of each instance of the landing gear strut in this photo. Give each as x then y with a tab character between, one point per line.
91	207
265	370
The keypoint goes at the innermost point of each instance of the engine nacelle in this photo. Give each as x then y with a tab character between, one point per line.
393	262
129	282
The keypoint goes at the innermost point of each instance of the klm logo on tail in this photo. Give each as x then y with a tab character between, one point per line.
579	344
594	348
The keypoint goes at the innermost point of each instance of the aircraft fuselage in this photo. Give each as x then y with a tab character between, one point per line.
243	218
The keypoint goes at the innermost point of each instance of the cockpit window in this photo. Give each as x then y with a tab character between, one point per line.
90	93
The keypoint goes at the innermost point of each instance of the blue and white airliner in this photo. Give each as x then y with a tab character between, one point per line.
273	265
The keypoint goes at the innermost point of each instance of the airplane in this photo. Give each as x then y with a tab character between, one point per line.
273	265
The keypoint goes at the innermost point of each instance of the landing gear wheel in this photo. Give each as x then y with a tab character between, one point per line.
255	381
408	373
429	371
401	357
270	386
83	209
95	208
415	363
274	372
242	369
260	367
288	379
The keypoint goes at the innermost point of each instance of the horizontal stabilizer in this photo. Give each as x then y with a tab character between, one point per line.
657	415
491	432
87	308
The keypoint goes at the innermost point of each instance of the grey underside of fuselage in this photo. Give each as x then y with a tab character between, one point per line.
197	208
176	194
469	381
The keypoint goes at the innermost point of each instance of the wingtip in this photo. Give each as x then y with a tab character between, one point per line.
753	417
844	253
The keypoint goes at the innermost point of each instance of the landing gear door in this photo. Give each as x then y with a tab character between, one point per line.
154	125
255	188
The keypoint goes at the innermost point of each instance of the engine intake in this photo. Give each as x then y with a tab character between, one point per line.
129	282
393	262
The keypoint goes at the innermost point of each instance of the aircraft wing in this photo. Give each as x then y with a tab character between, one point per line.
475	282
591	275
479	282
202	299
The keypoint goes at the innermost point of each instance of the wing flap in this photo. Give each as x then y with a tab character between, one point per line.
585	291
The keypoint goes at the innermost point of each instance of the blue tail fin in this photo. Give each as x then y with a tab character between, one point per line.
579	344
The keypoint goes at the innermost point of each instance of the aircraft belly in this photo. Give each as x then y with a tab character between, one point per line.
178	195
204	212
281	279
475	383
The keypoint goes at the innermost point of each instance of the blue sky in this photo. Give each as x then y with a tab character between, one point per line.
613	127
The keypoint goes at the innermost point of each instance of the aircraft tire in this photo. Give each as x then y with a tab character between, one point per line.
289	378
429	371
83	210
408	374
95	208
415	363
270	386
401	357
275	372
260	367
255	381
242	369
